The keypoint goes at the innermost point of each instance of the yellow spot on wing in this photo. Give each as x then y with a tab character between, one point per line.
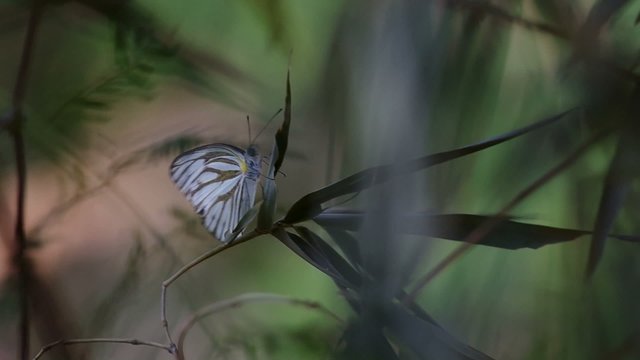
243	167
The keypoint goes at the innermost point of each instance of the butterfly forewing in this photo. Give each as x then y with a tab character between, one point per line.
220	181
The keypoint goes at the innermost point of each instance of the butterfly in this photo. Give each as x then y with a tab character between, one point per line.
220	182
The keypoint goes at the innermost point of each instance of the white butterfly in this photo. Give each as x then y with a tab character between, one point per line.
220	181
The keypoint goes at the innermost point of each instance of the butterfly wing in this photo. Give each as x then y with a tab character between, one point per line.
216	181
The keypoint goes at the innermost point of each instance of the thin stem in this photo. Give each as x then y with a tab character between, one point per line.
20	86
100	340
20	259
242	300
16	126
486	227
184	269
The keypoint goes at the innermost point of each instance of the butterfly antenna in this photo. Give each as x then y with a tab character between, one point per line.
267	124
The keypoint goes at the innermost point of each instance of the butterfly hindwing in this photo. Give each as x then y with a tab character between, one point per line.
219	180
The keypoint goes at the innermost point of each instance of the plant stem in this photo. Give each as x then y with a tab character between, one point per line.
184	269
20	261
241	300
100	340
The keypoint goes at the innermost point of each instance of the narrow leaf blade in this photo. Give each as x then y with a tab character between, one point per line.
308	253
623	172
347	244
311	204
427	340
509	234
615	188
338	264
282	136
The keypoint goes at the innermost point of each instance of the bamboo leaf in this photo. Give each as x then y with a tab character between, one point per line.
509	234
310	205
347	244
613	193
338	264
308	253
623	172
426	340
282	136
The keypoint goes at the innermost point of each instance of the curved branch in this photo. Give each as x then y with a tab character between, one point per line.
184	269
242	300
129	341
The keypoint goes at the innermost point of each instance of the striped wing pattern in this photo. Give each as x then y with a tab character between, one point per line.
220	181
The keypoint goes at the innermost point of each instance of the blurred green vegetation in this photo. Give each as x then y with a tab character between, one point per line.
373	83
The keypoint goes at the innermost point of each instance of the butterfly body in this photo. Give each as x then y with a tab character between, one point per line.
220	182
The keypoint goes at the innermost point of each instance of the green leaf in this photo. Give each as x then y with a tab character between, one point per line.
425	339
311	204
416	310
269	192
347	244
302	249
614	193
308	253
507	235
623	172
282	136
338	264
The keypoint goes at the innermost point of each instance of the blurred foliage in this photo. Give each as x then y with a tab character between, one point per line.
530	84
